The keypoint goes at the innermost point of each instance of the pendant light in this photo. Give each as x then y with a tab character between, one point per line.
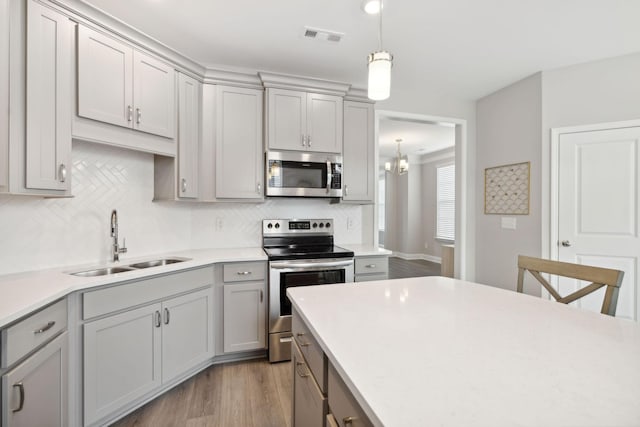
400	164
380	69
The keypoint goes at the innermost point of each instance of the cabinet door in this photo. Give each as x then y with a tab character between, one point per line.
324	123
121	360
35	393
49	73
105	78
286	119
153	95
245	316
358	171
187	332
189	101
239	153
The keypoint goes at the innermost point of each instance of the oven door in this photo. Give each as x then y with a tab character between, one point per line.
286	274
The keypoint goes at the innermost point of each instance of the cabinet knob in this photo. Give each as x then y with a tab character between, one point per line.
566	243
348	421
129	113
62	172
184	185
21	391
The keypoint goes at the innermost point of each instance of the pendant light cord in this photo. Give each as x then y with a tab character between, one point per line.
380	32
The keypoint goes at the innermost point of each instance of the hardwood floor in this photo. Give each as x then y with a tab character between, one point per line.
400	268
252	393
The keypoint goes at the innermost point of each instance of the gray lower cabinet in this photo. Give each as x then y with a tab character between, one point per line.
309	403
371	268
34	393
131	354
245	316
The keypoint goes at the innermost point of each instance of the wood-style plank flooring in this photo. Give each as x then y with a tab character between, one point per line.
252	393
400	268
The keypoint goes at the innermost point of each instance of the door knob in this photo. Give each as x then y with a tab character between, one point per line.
566	243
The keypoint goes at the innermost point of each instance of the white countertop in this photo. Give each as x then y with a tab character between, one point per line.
436	351
23	293
365	250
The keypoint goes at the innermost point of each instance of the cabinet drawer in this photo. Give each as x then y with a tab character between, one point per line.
342	403
370	265
244	271
371	277
311	351
309	404
35	330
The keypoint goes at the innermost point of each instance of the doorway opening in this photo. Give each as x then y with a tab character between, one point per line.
421	207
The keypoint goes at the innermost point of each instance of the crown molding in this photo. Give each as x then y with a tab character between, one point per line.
235	78
288	81
358	94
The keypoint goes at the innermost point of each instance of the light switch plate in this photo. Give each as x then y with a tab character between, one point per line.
509	223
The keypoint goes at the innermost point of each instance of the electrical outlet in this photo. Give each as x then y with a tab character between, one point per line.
219	224
349	223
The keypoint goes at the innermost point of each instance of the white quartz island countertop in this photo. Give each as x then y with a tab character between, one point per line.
22	293
434	351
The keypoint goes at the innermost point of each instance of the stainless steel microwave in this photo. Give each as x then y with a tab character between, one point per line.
293	174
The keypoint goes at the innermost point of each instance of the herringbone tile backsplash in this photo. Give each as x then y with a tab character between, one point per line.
39	233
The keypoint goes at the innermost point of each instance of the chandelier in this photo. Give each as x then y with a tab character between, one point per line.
379	68
400	164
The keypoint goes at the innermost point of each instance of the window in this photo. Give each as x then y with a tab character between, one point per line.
446	202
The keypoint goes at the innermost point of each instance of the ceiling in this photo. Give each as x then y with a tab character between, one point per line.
418	139
464	49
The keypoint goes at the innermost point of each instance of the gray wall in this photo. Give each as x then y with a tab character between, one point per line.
513	125
509	131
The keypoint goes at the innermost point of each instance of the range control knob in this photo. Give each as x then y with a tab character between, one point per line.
269	226
328	225
315	225
277	225
321	225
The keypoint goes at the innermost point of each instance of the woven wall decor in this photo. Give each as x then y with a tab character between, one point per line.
506	189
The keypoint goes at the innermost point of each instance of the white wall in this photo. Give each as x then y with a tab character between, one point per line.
40	233
508	131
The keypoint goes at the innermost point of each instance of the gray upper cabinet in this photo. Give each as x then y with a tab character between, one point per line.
238	143
124	87
304	121
50	38
359	171
4	95
189	111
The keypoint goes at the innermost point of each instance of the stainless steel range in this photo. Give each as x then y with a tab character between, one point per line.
301	253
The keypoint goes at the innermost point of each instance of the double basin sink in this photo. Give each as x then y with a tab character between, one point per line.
104	271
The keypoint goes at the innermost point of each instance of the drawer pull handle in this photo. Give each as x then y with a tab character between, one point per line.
129	113
21	390
243	273
348	421
306	344
371	266
166	316
300	334
158	319
301	375
45	328
261	296
287	339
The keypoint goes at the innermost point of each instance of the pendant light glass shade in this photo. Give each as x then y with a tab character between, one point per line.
379	75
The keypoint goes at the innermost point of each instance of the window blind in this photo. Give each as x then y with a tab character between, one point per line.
446	202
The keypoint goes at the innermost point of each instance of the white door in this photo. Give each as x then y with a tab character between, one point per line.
598	215
187	332
287	119
153	95
189	101
358	174
324	123
105	73
245	316
239	153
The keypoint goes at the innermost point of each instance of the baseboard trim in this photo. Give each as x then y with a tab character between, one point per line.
425	257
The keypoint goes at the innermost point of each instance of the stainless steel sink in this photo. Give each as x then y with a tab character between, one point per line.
102	271
158	262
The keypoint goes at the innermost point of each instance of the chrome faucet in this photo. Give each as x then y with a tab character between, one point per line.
116	250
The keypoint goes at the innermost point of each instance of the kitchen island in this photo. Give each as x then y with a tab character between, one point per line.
438	351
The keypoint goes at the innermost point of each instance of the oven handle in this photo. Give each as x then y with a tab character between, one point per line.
305	265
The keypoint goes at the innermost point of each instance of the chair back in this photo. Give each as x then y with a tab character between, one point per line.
598	277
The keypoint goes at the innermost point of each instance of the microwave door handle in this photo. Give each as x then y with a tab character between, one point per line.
329	176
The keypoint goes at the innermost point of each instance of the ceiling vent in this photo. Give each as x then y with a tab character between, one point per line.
322	35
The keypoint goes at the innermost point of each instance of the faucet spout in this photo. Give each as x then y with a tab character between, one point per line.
116	250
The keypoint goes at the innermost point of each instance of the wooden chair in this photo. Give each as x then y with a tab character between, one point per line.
598	277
